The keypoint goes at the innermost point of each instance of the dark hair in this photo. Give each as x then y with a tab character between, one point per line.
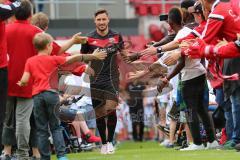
187	3
100	11
175	15
24	11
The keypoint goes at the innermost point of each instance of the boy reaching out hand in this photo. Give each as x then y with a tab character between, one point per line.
39	68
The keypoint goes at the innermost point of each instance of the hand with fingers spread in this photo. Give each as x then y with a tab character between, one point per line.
78	39
172	58
136	75
222	43
130	58
89	71
149	51
100	55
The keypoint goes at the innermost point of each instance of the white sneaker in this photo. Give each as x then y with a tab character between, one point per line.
165	142
110	148
104	149
213	145
193	147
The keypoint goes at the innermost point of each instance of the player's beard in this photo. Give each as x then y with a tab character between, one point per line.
102	29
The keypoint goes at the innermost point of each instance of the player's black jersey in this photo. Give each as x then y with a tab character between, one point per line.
106	70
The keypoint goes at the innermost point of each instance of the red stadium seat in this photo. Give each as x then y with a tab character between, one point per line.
139	42
155	9
141	10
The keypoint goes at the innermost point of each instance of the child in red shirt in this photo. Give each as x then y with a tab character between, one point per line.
38	69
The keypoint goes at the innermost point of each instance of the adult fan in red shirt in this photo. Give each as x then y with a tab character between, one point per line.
19	37
6	11
224	23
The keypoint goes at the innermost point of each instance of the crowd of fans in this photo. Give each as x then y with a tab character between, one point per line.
168	100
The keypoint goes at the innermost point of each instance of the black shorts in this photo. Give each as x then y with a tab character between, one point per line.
103	92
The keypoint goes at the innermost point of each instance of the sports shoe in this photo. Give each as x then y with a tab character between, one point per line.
63	158
223	139
169	145
229	145
165	142
90	138
213	145
110	148
104	149
193	147
237	147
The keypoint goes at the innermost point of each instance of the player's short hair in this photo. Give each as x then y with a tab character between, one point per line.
100	11
41	40
24	11
40	20
175	15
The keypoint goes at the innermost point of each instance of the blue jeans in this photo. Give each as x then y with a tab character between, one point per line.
227	111
44	107
235	100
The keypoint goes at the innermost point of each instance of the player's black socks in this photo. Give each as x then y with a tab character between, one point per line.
111	125
101	125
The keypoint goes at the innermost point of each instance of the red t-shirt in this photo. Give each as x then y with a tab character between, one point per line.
20	47
3	45
42	69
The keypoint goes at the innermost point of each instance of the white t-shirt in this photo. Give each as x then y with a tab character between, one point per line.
193	67
84	83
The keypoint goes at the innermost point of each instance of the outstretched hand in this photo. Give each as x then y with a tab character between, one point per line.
149	51
78	39
100	55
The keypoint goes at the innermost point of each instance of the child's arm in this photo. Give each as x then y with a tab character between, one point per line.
24	80
96	55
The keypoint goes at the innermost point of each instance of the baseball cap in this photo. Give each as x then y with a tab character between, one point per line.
187	3
197	8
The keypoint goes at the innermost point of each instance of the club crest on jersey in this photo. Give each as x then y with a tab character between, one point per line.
94	42
111	40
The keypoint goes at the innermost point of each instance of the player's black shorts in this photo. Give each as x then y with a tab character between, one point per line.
103	92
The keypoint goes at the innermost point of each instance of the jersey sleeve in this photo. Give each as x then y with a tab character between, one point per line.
56	48
212	28
229	51
27	67
59	60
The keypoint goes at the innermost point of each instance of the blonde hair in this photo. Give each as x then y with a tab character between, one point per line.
41	40
40	20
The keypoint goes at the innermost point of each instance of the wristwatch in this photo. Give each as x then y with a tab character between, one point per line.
159	49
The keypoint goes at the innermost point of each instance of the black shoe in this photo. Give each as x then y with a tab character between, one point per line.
237	147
